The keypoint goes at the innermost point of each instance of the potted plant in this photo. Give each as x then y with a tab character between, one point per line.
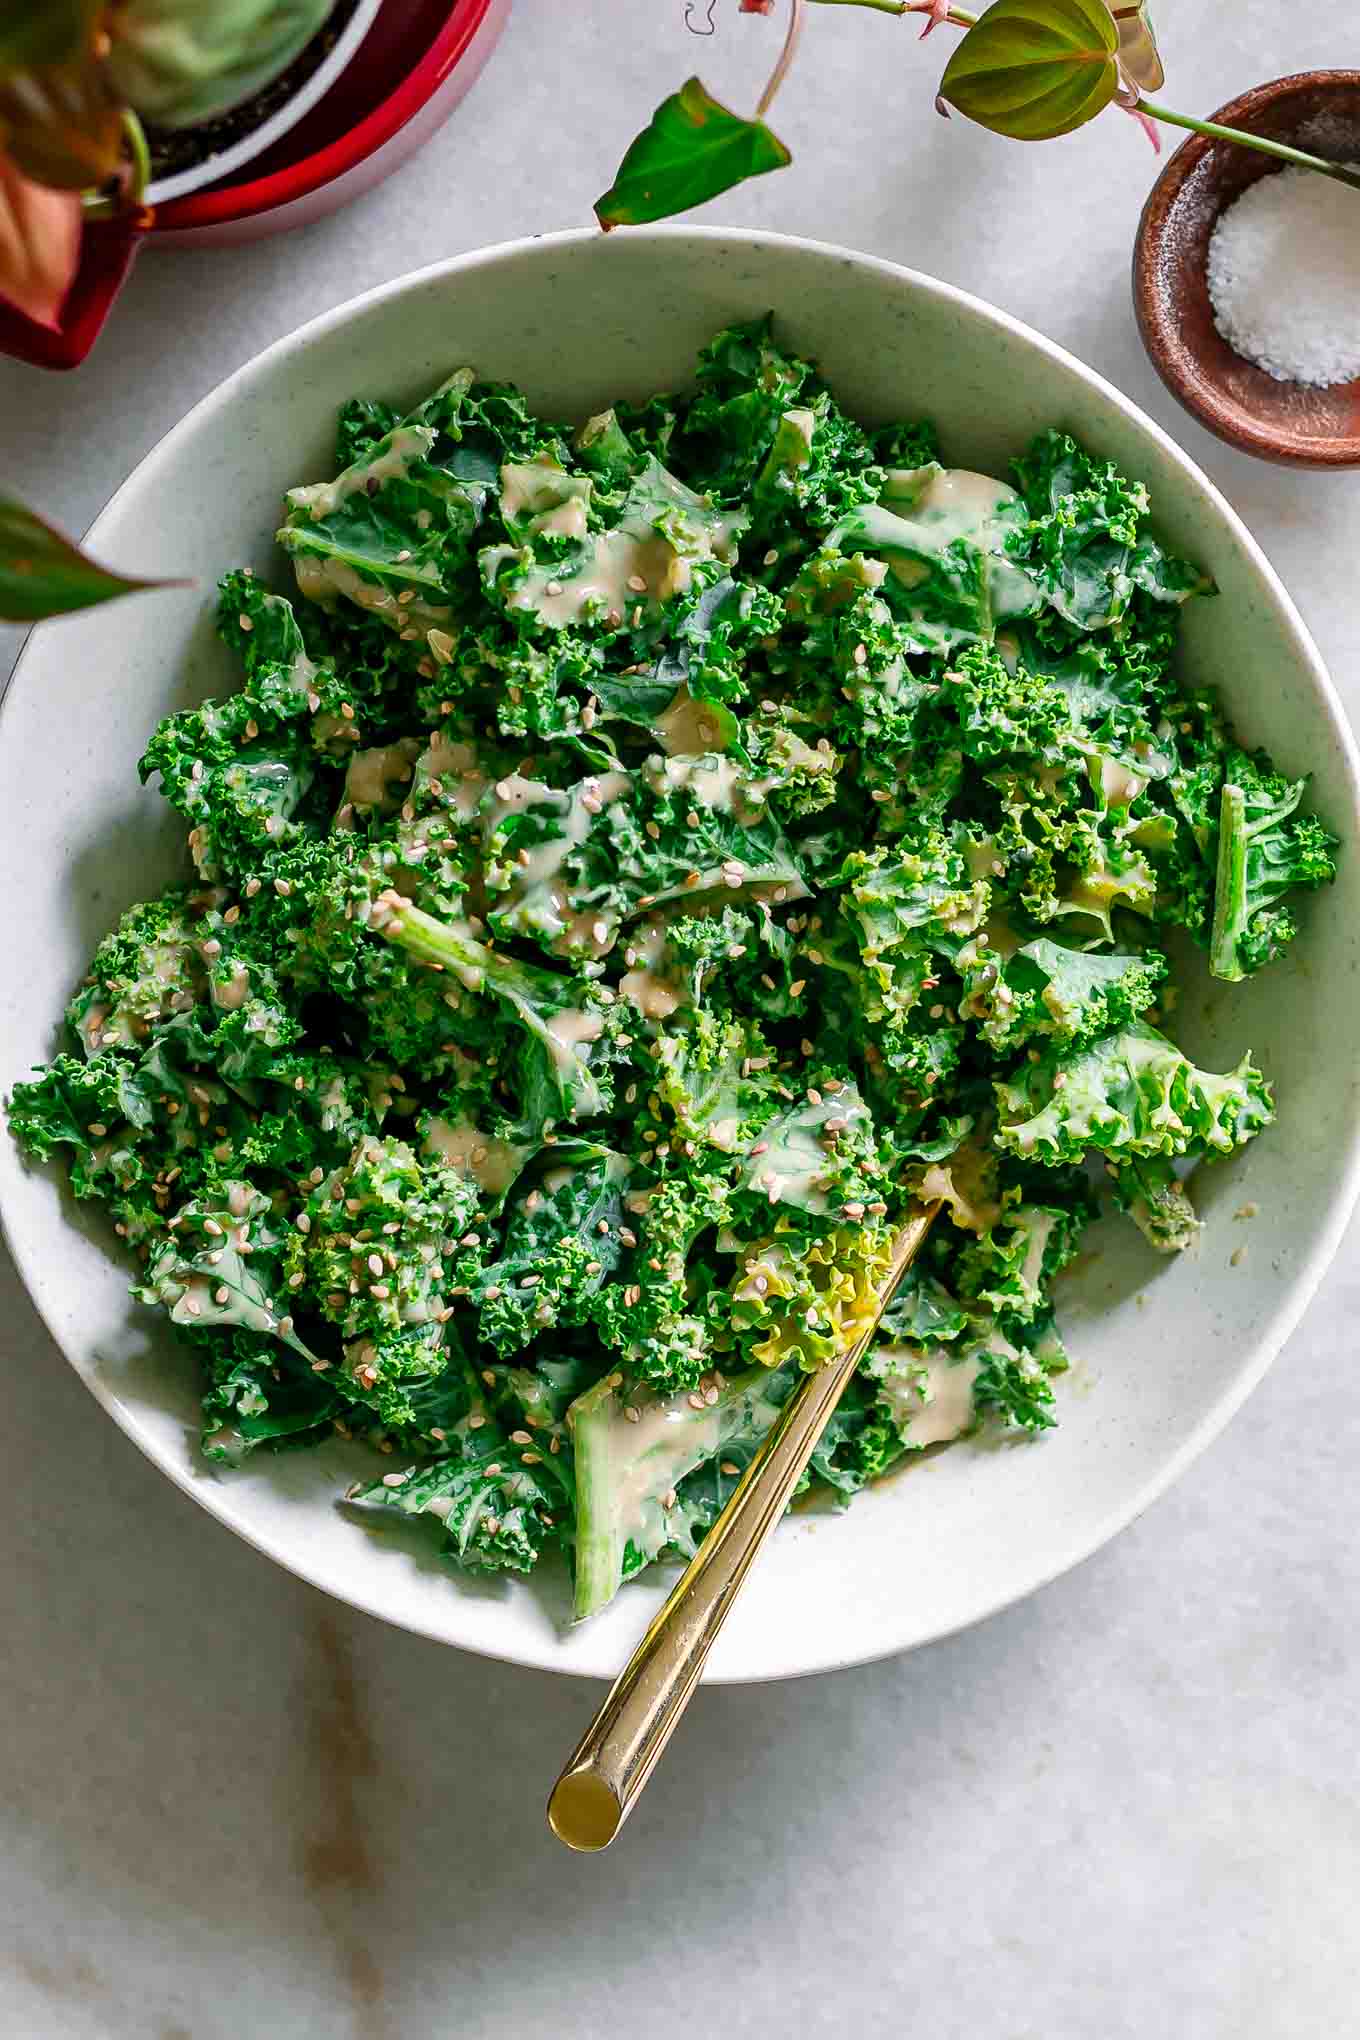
187	119
218	118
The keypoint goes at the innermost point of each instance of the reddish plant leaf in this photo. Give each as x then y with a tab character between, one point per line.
62	123
39	244
44	574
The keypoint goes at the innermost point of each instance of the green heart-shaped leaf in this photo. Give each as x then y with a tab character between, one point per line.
1032	69
43	574
692	149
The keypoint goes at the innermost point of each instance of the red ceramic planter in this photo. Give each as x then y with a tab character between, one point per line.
403	82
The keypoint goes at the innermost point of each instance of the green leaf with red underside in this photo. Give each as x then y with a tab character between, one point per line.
43	574
1033	69
691	150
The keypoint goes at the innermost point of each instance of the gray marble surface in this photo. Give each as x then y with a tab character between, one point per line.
1129	1806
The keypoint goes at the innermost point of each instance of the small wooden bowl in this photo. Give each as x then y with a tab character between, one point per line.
1280	421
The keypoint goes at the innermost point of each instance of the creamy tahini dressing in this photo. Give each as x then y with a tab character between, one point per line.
1118	784
628	565
605	579
667	1442
491	1164
456	766
231	995
405	446
652	990
945	504
964	1184
688	726
552	500
793	1166
1040	1224
570	1031
321	577
928	1394
378	778
712	782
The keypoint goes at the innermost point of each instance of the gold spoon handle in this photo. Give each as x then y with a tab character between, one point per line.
607	1770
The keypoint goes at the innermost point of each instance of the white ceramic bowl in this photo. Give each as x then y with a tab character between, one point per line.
1166	1350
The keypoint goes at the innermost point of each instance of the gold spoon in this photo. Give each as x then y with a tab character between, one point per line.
607	1770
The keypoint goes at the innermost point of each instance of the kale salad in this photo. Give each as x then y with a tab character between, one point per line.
640	860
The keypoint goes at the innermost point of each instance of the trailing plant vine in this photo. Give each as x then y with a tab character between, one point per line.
1027	69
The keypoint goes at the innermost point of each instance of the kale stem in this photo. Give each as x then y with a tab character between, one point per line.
786	56
1262	143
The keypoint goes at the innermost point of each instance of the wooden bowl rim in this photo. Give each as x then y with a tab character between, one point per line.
1158	325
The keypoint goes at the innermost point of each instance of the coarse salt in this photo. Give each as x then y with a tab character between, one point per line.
1283	262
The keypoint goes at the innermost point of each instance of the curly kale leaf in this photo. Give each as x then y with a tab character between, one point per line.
561	1246
562	1078
1131	1093
629	1468
1010	1267
1013	1383
221	1264
946	538
818	469
1265	850
393	534
745	385
376	1237
1072	995
1000	712
1157	1201
1083	546
489	1495
915	896
361	425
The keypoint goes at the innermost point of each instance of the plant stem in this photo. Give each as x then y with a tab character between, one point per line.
959	16
879	6
1261	143
139	155
786	56
133	177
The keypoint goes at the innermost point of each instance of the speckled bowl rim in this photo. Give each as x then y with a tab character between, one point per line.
800	1658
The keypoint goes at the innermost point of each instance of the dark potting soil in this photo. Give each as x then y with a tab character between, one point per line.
176	149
